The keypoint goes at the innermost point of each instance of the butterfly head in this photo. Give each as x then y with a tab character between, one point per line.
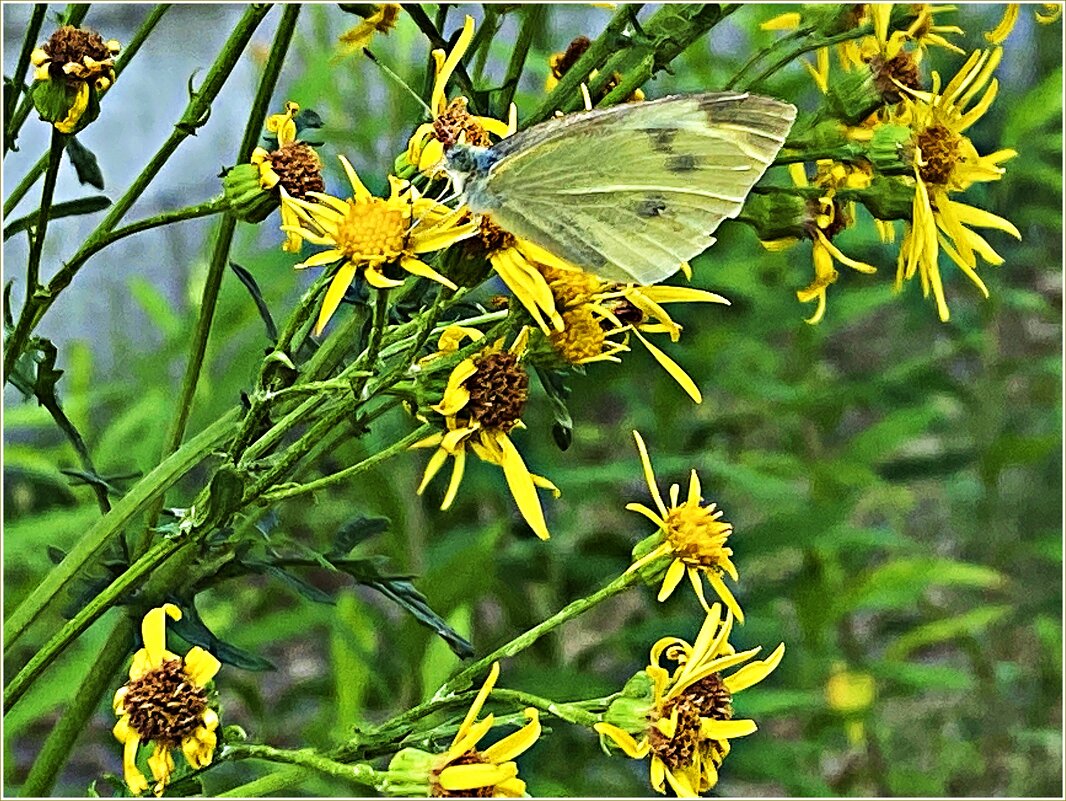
468	166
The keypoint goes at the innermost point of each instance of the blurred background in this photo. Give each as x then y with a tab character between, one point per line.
895	482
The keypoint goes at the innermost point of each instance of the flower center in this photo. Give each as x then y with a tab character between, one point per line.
901	67
455	121
581	339
561	63
471	757
939	148
697	534
164	705
707	698
298	169
570	288
498	391
373	230
493	238
70	45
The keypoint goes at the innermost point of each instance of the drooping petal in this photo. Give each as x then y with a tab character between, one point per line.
337	287
200	666
154	632
522	487
726	729
673	577
479	700
755	672
673	368
457	477
516	743
649	475
623	740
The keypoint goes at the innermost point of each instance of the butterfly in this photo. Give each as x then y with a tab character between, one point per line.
631	192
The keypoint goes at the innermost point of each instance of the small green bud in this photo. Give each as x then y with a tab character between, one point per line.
69	106
888	199
409	774
891	150
855	95
651	573
247	198
404	169
630	710
776	215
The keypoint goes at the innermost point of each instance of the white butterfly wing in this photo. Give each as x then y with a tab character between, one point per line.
631	192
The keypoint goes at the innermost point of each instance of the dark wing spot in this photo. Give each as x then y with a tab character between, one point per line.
682	163
651	207
662	139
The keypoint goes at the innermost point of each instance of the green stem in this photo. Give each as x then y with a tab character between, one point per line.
862	30
565	96
571	713
343	475
128	52
61	739
531	19
799	33
194	116
29	42
268	785
305	757
133	503
33	266
463	678
87	615
373	348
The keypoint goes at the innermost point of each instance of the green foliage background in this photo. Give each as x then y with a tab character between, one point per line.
895	482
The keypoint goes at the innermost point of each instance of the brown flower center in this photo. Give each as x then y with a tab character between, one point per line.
493	238
902	68
164	705
299	169
939	148
707	698
498	391
561	63
456	121
70	45
471	757
581	339
627	313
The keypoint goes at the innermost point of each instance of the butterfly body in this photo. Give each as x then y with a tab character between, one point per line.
631	192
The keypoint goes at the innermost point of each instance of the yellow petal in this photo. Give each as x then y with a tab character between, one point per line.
723	592
457	477
517	743
673	577
154	633
437	100
200	666
337	287
782	22
472	777
649	475
522	487
755	672
624	740
420	268
726	729
479	701
359	191
673	368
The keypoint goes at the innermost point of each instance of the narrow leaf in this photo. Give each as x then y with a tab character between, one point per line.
253	289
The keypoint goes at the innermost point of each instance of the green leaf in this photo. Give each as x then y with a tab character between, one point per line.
250	284
302	586
69	208
898	584
354	532
970	624
193	630
438	662
352	651
85	164
158	309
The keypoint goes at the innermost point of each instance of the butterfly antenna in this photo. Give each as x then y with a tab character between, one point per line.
400	81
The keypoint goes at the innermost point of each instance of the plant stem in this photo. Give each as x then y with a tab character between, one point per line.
348	472
86	616
463	678
269	784
29	41
531	19
100	534
194	116
792	36
806	47
571	713
33	266
128	52
305	757
53	755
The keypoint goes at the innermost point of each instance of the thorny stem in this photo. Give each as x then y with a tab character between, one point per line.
349	472
194	116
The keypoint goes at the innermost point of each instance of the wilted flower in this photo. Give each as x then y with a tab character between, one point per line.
165	703
72	68
378	19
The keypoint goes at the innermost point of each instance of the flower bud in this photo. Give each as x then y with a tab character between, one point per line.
409	774
891	150
248	200
776	215
651	573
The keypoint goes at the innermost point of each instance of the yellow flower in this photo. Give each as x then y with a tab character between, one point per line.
593	311
945	162
452	121
294	169
370	233
165	703
850	693
483	402
689	721
463	771
382	20
691	535
827	219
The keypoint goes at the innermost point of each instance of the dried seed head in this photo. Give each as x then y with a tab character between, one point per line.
498	391
299	169
164	705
